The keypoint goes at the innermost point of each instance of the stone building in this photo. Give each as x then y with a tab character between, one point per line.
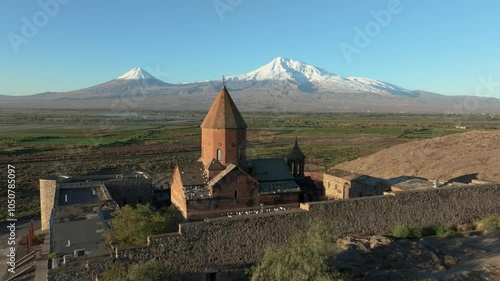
59	192
75	212
340	184
223	179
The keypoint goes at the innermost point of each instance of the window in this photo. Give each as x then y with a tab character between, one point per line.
235	194
239	153
219	154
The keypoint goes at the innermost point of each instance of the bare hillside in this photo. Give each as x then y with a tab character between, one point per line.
445	158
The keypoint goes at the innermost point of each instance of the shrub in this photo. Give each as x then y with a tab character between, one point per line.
463	227
306	258
401	232
446	232
404	232
131	226
490	223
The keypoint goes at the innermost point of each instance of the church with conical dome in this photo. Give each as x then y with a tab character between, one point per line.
223	180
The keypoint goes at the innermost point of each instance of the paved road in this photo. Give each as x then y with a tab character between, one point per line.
22	226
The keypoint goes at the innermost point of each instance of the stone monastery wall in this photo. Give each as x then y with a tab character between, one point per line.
231	243
225	243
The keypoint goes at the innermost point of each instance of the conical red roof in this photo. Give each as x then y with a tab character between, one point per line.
224	114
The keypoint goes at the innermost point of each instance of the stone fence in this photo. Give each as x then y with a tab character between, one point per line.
229	244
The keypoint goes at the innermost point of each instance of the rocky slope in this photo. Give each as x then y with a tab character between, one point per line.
379	258
474	154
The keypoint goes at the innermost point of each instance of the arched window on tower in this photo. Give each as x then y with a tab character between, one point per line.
219	154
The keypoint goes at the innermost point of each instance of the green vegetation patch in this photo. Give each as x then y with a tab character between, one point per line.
146	271
407	232
306	258
131	226
490	223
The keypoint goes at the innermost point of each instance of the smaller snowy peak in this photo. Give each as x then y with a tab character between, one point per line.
136	73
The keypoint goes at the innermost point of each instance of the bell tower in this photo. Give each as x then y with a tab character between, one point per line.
223	132
296	160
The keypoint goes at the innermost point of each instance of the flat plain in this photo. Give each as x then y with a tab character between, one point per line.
40	143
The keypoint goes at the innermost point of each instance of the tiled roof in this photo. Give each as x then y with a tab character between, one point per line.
273	176
224	114
222	174
192	173
215	165
270	169
194	192
278	187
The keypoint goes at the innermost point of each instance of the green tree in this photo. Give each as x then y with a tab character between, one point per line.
130	226
305	259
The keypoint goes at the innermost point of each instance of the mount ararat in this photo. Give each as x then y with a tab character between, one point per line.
283	85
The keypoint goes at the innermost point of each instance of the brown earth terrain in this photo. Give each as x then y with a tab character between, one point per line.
476	257
470	155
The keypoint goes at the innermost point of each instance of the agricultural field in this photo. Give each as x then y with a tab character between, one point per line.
64	142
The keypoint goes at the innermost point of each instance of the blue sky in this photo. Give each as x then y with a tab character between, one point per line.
449	47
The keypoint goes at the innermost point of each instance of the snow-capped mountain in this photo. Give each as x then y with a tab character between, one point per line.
136	73
312	78
134	82
281	85
285	69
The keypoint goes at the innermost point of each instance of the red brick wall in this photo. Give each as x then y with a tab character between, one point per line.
215	207
176	193
279	199
245	187
227	140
